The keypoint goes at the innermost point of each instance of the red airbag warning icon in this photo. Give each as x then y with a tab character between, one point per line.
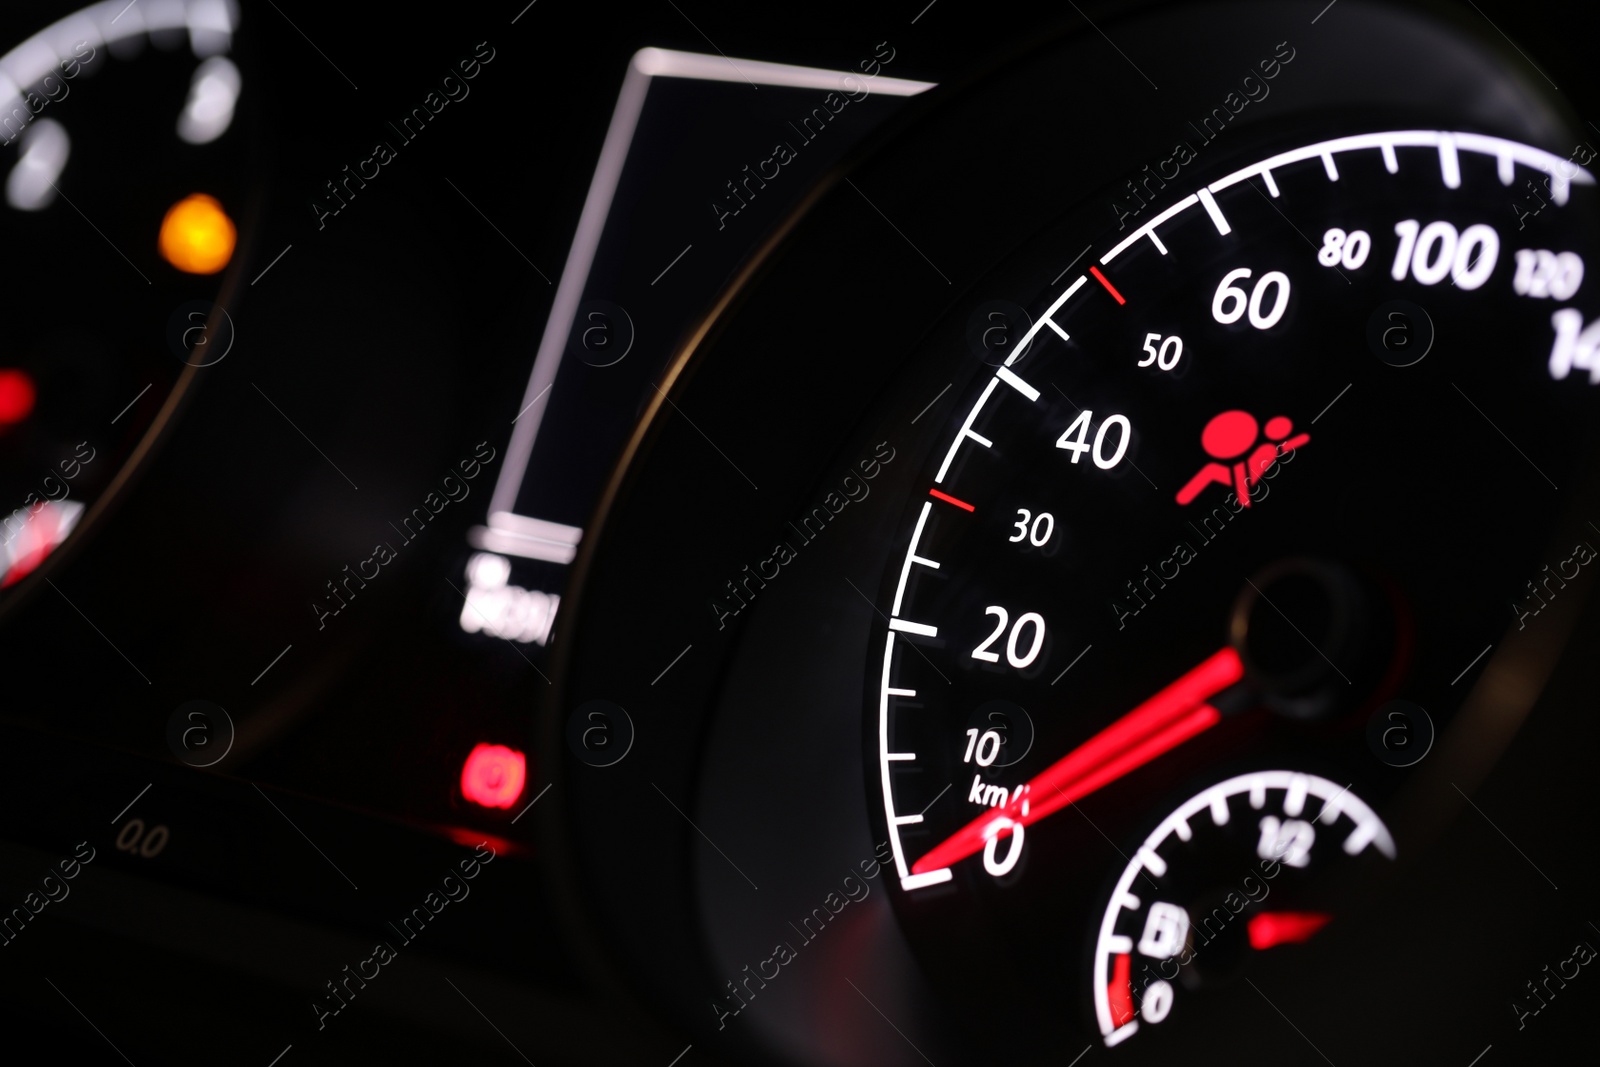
1228	437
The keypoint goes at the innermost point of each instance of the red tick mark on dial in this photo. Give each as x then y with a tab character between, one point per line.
948	499
1101	278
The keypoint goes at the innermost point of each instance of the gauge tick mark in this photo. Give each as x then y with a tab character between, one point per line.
948	499
1101	278
1010	377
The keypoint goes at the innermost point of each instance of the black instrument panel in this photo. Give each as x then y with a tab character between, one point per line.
672	534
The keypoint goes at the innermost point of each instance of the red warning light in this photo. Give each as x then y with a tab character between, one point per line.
16	396
493	775
1284	927
1229	436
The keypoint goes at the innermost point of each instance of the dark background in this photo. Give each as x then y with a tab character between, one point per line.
399	335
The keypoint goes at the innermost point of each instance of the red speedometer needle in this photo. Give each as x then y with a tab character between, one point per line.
1166	720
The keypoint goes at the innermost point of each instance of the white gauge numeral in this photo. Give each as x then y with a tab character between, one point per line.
1037	529
1229	303
1157	1001
1167	356
985	748
1031	621
1075	438
1542	273
1348	250
993	862
1289	841
1575	345
1165	931
1430	252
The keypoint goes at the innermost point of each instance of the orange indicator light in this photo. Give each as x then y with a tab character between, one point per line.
197	236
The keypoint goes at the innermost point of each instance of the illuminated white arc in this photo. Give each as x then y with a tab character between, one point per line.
883	762
967	433
209	23
911	557
1447	144
1047	320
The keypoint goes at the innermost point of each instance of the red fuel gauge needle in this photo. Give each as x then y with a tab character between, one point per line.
1270	928
1168	719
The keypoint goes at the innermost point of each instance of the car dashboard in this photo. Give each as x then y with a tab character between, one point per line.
690	534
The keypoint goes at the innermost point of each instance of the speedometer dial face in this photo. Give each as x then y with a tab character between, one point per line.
1289	451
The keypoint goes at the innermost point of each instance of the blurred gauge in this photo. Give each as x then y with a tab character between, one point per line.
124	195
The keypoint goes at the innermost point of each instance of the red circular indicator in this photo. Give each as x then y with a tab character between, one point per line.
16	396
493	775
1229	434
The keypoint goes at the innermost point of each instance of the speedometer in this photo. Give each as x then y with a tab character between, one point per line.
1224	500
1228	508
